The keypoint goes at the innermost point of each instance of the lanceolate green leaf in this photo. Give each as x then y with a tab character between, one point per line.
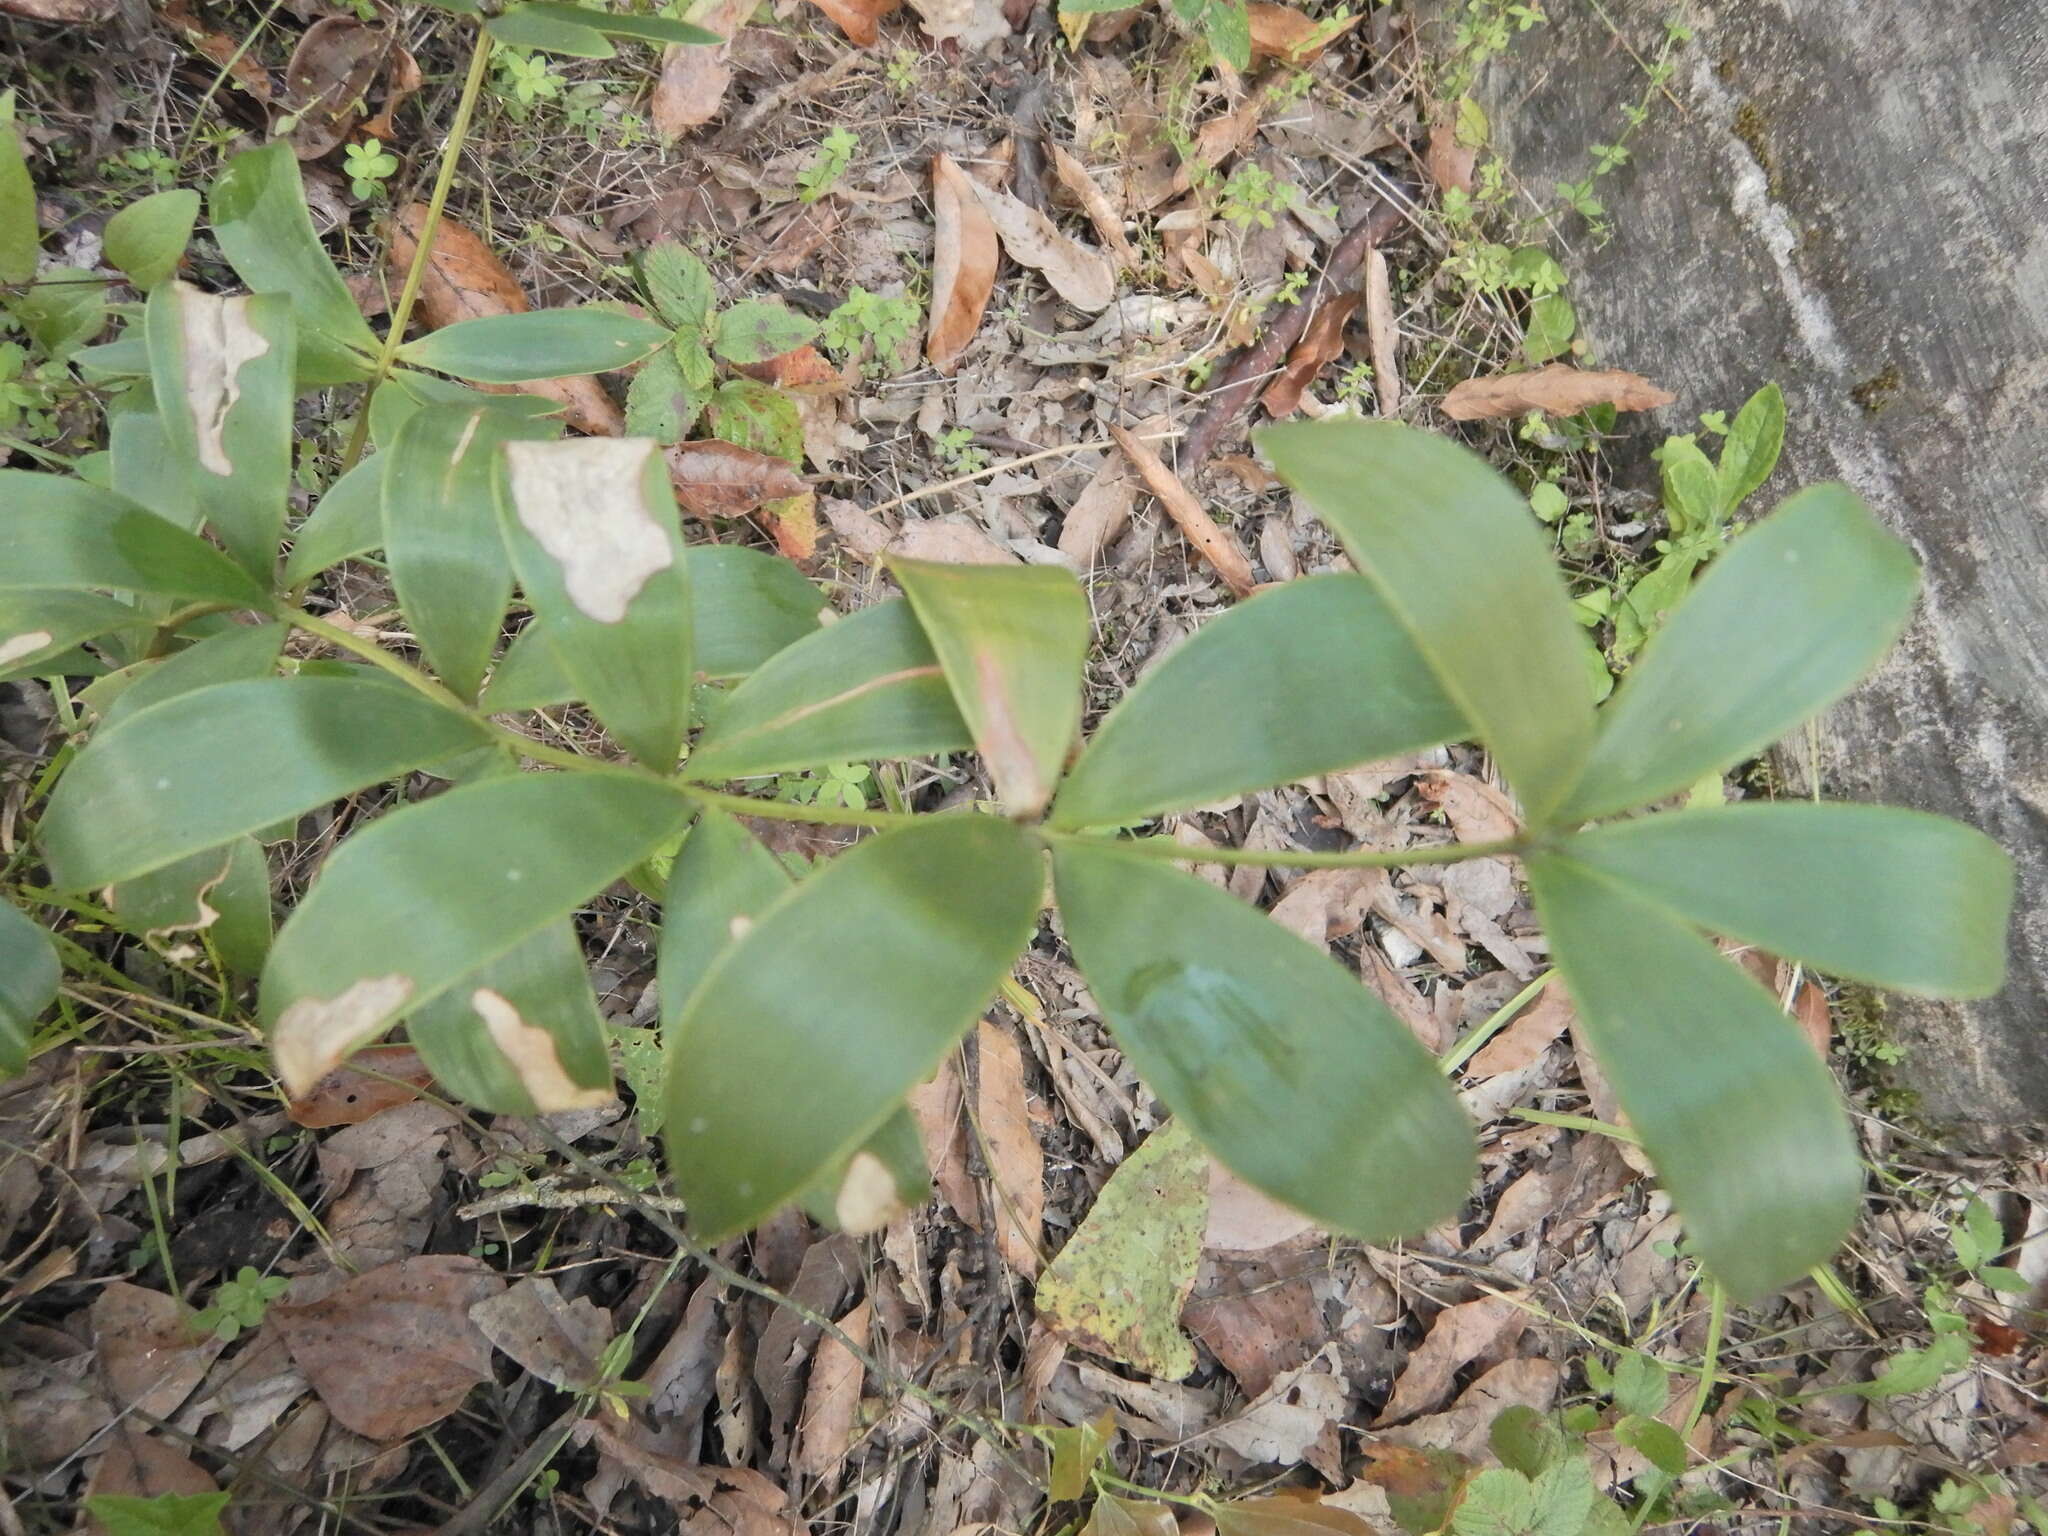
441	539
262	227
222	370
204	767
866	686
1290	1071
242	652
521	1035
38	627
354	956
20	246
1750	451
808	1031
646	29
1738	1112
147	469
721	880
60	532
1306	678
591	524
527	26
541	344
744	607
1453	550
1905	900
1781	626
148	237
1012	641
219	897
28	983
348	521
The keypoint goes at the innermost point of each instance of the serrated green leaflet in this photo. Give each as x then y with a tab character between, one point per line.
1454	552
1012	640
1290	1071
1736	1109
221	370
147	238
521	1035
209	765
1782	625
258	208
28	983
754	330
36	627
679	284
541	344
591	524
1905	900
1117	1286
866	686
352	958
441	540
842	995
67	534
1307	678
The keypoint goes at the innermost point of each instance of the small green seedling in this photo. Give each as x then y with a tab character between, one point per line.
835	158
874	328
368	166
240	1304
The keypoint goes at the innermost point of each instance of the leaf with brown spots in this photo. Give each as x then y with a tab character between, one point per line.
1557	390
720	479
394	1350
1321	343
964	256
375	1079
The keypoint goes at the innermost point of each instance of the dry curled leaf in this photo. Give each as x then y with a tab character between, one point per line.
1558	390
402	80
151	1357
720	479
860	20
376	1078
1382	331
1281	32
803	371
1322	343
1016	1165
394	1350
465	281
330	73
832	1397
1448	162
556	1339
964	257
1078	273
1460	1335
1099	513
694	78
1094	202
1218	545
225	51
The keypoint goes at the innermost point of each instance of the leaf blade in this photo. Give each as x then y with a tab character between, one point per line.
29	975
66	534
540	344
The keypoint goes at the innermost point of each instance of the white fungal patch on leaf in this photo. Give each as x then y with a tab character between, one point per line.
531	1051
219	341
313	1035
585	503
18	646
868	1199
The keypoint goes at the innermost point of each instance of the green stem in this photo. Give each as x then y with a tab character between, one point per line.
784	810
1294	858
1468	1047
1717	1319
444	179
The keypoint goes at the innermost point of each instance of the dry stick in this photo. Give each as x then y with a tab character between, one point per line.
1218	545
1251	367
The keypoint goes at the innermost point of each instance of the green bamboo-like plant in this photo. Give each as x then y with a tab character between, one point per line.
799	1012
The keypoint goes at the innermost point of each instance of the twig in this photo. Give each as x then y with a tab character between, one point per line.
1218	545
551	1193
1250	368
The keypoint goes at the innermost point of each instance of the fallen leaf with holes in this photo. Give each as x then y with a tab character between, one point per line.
1557	390
554	1338
720	479
695	77
465	281
151	1356
1117	1286
1078	273
226	52
1281	32
1094	202
394	1350
376	1078
330	73
1217	544
964	256
1016	1165
832	1397
1322	343
860	20
1460	1335
138	1465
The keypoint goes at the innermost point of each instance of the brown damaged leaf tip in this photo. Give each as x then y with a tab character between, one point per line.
1556	390
964	256
1218	545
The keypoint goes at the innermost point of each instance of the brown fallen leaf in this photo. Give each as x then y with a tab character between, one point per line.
792	521
393	1350
138	1465
695	78
330	73
1557	389
1321	344
1382	332
964	255
1100	513
832	1397
1094	202
1079	274
1281	32
1460	1335
806	370
1016	1165
825	1279
1527	1038
1247	1220
1463	1427
1290	1512
1260	1319
1218	545
1477	812
936	1106
1295	1419
227	52
465	281
948	541
556	1339
1448	162
860	20
720	479
373	1080
70	13
402	80
151	1357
